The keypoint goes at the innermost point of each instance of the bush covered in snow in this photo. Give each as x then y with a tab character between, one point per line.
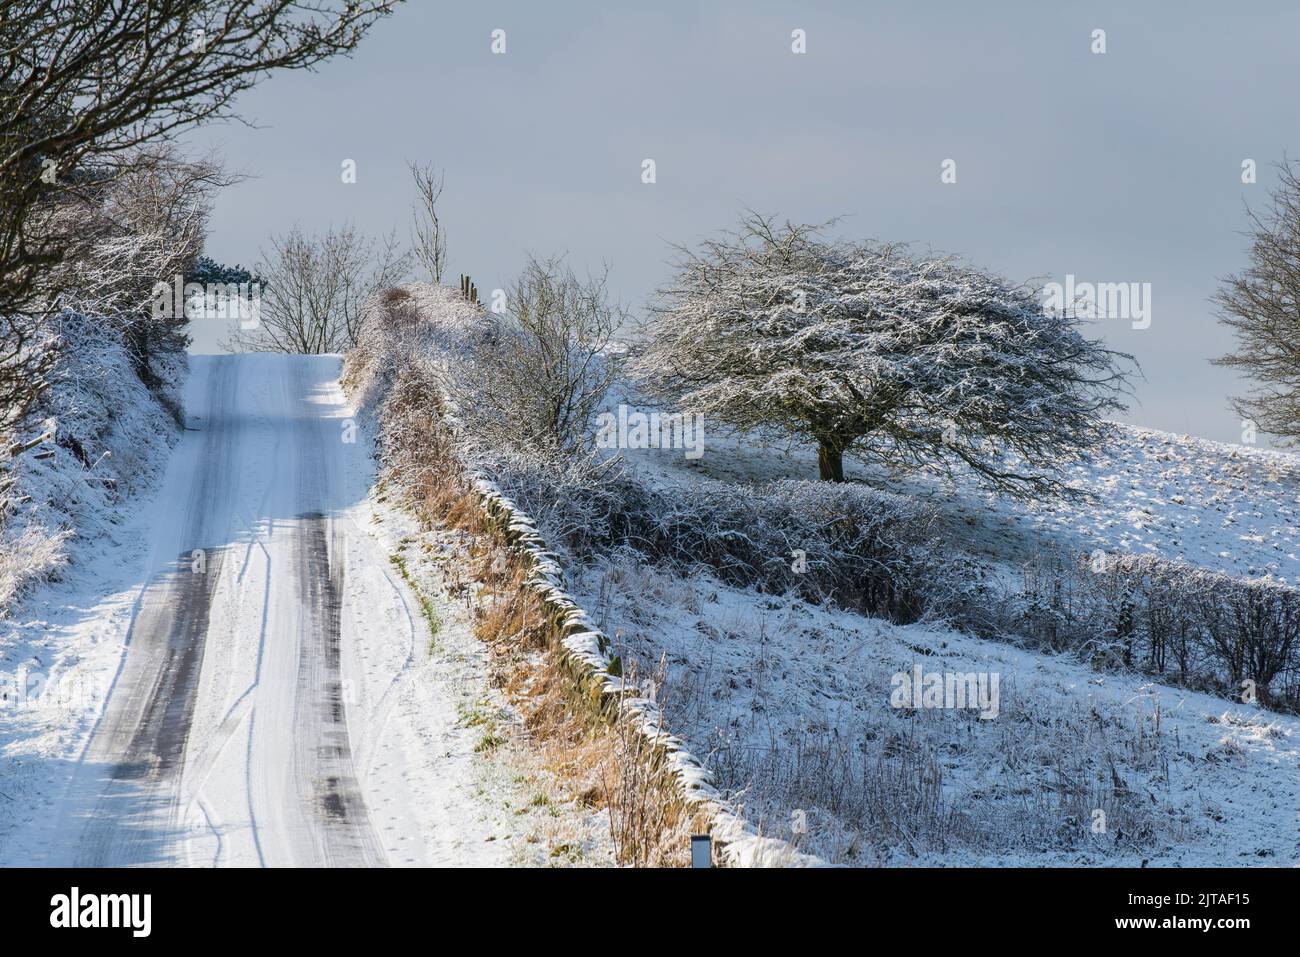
847	545
140	228
109	401
536	381
415	329
1205	629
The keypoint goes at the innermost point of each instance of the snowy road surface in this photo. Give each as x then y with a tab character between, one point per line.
257	704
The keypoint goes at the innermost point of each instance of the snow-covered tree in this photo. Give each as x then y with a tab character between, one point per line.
84	84
136	226
534	383
865	348
1261	304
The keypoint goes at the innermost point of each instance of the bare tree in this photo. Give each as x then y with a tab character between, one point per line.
539	376
314	288
83	82
1261	305
428	237
867	349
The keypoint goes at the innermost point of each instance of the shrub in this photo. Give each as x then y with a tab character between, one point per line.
1169	619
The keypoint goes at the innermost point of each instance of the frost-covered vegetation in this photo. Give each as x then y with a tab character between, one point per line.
111	407
1175	559
778	692
109	437
790	703
871	350
1259	305
1140	678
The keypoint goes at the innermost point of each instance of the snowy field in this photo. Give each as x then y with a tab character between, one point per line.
1223	507
792	703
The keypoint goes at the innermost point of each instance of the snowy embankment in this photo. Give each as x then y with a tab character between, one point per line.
603	685
794	705
790	704
108	440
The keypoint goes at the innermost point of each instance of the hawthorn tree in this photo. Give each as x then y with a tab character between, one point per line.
867	349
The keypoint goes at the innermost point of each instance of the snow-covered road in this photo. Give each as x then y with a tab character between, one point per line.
257	705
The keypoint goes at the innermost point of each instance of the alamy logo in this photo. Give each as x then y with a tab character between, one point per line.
653	430
103	910
952	689
1101	300
213	300
26	690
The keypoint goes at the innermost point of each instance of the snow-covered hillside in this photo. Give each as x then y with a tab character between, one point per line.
110	437
1223	507
791	704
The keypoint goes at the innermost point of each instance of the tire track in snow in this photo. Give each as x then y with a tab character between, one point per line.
326	776
138	748
230	735
242	707
347	836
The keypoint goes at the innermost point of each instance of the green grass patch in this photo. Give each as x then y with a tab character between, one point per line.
431	616
473	716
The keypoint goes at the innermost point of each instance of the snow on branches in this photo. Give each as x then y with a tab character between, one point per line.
867	348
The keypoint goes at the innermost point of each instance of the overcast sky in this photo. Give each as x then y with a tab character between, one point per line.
1115	167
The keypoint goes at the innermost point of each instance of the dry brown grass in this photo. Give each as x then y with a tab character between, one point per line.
602	764
650	824
599	759
598	763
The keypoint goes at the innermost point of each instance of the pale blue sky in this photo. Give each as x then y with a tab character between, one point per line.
1122	167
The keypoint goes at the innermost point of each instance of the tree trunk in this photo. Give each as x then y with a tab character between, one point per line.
830	461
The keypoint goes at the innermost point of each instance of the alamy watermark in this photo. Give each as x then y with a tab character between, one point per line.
953	689
651	430
75	909
226	301
1100	300
27	690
